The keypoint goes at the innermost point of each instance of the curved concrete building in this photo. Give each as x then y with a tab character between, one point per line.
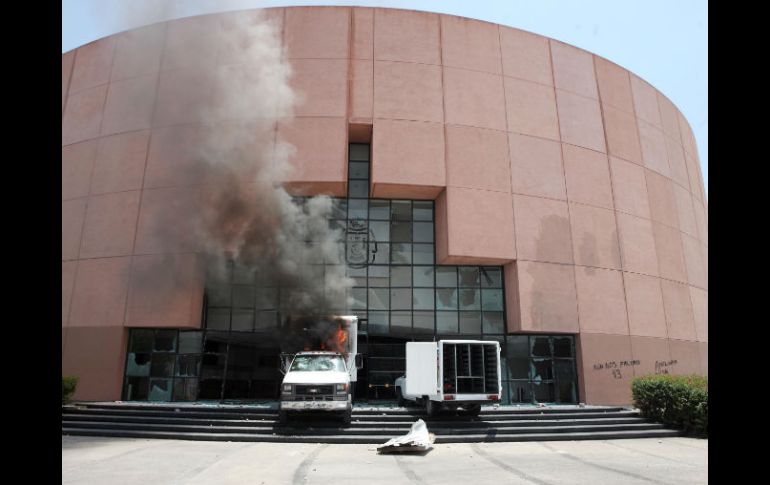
516	188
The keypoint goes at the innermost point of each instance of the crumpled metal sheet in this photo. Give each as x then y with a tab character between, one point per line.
417	439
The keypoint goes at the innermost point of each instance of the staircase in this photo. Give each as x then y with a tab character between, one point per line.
370	425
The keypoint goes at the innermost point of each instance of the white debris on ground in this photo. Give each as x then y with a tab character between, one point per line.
417	439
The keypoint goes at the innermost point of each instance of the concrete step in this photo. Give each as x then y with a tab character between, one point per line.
368	423
394	417
345	431
368	439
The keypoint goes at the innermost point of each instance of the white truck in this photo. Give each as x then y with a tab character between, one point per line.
451	374
321	376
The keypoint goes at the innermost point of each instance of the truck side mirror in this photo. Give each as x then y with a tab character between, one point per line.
359	361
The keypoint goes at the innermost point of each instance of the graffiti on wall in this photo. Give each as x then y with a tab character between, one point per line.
616	367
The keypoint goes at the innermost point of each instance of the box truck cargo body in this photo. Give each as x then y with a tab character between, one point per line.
451	374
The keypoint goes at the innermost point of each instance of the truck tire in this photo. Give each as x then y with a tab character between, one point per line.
347	417
431	408
400	398
283	417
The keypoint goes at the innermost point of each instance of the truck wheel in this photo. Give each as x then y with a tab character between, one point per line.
400	397
431	408
283	417
347	418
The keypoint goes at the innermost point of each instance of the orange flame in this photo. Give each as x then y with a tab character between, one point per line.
342	337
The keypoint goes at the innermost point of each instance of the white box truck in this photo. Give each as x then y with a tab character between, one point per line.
451	374
321	374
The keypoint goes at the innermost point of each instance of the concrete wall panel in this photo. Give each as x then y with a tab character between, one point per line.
470	44
525	56
601	301
317	33
644	300
548	300
536	167
542	230
607	370
97	356
99	296
588	176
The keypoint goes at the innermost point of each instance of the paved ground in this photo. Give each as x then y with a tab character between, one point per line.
116	461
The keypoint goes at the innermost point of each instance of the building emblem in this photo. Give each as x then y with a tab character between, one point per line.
360	242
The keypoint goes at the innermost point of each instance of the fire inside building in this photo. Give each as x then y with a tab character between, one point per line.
477	182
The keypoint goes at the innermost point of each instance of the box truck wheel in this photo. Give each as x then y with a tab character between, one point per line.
347	417
431	408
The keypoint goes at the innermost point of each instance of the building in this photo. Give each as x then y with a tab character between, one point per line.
506	186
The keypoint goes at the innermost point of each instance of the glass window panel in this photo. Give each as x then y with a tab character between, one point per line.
165	341
359	298
544	392
160	390
190	342
188	365
358	170
491	277
539	347
179	394
401	231
162	365
470	322
493	322
423	253
137	388
378	323
266	320
470	299
380	230
542	370
423	231
492	300
358	208
446	276
423	210
243	275
446	322
401	298
520	391
518	368
358	152
379	210
339	209
379	276
401	253
422	299
469	276
215	342
562	347
243	296
358	188
400	276
379	253
401	321
401	210
243	320
218	319
446	299
138	364
218	295
423	276
565	377
517	347
267	298
141	340
423	321
379	298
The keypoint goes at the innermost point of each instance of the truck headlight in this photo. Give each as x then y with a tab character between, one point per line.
286	389
342	388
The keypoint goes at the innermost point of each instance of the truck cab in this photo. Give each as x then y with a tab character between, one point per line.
321	377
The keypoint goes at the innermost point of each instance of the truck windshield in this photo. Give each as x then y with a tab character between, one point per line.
314	363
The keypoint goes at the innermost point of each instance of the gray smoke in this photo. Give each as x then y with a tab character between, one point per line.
246	216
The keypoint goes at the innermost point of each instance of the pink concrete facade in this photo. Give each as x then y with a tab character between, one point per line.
575	174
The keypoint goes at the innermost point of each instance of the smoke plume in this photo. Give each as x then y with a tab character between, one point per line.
246	216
